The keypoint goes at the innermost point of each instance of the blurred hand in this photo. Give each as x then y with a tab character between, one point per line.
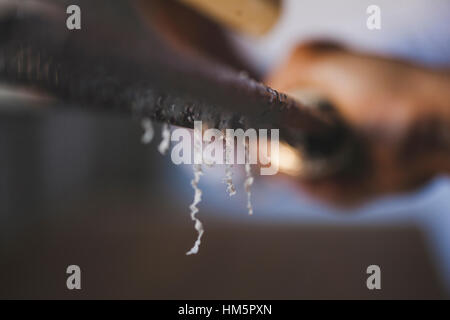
401	111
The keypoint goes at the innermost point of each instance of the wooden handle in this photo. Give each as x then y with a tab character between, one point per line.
255	17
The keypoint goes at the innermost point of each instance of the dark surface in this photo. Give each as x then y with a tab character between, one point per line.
81	189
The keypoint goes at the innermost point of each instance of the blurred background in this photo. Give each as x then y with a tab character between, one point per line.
80	188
